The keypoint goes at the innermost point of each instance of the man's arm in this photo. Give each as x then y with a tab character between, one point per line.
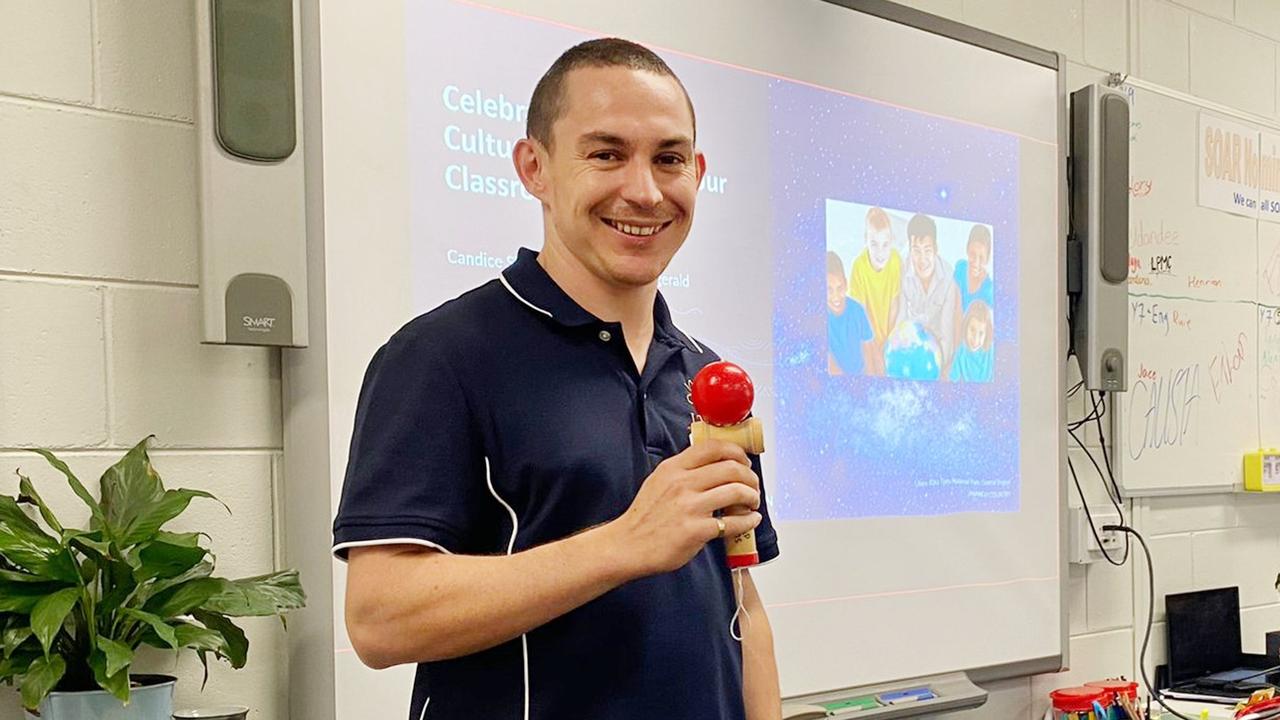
760	690
407	604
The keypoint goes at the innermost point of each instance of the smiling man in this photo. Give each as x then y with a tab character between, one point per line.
523	515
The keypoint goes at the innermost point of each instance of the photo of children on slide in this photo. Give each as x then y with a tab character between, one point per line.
909	295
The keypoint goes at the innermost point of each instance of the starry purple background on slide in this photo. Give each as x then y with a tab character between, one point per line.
866	447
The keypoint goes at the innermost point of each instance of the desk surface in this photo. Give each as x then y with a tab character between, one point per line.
1192	709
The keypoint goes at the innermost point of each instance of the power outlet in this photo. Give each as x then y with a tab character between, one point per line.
1112	540
1083	546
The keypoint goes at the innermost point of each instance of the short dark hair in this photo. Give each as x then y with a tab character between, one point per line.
981	235
921	226
547	104
835	266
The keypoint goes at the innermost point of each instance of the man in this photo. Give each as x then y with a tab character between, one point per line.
929	295
522	514
875	281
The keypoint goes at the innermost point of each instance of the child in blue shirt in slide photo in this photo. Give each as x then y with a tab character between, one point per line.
848	330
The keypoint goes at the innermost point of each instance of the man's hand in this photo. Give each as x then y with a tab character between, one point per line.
672	517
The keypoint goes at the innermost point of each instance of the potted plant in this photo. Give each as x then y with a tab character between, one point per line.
75	604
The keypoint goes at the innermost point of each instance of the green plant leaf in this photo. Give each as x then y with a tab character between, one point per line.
27	494
21	577
236	644
42	676
76	486
117	684
197	638
118	655
90	543
184	598
88	570
204	661
118	576
148	519
127	488
156	587
191	539
24	544
269	594
17	662
158	559
50	613
134	500
21	597
156	623
14	637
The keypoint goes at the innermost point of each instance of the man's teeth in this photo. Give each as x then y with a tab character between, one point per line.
642	231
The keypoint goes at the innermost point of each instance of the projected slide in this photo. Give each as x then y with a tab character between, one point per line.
847	252
910	314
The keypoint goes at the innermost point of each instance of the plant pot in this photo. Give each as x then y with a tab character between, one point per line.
150	698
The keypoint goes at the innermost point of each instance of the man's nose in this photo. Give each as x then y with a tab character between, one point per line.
640	187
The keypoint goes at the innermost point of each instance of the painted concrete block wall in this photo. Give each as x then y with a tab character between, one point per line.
98	306
99	314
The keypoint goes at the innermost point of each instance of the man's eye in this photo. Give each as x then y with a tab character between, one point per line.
671	160
606	155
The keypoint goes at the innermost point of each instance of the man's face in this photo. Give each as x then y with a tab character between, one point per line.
923	252
836	290
622	174
976	334
879	243
977	261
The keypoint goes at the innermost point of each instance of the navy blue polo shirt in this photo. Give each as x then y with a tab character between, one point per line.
511	417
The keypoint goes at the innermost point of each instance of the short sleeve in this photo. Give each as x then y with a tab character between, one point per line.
766	536
864	325
415	471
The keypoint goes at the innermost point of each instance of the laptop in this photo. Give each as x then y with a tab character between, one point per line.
1205	651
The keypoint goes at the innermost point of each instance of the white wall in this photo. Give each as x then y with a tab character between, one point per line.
99	320
1225	51
99	316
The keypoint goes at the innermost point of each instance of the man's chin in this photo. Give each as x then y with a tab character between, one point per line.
635	277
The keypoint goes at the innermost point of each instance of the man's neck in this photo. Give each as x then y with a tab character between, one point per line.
632	307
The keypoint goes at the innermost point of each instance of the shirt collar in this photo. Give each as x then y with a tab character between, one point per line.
528	282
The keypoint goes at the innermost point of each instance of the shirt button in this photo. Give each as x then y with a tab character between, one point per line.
605	336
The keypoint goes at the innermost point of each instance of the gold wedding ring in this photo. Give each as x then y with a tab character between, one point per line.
720	524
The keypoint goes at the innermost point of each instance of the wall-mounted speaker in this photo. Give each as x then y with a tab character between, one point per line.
253	242
1098	249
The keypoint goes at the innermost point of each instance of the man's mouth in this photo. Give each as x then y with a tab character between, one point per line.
636	229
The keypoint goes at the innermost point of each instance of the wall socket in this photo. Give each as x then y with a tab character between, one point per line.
1082	546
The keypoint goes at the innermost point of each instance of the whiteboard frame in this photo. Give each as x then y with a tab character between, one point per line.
306	509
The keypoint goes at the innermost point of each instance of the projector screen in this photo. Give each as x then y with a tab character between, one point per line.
915	486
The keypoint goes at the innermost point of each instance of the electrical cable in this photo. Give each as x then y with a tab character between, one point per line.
1093	526
1151	612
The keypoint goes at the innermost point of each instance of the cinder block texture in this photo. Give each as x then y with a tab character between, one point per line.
52	365
46	49
97	196
146	57
165	382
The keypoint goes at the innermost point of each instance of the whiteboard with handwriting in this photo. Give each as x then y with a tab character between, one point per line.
1204	328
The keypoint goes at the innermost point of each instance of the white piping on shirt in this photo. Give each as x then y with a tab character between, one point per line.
689	337
507	285
511	544
388	541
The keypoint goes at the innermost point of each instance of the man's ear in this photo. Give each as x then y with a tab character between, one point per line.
531	158
700	162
